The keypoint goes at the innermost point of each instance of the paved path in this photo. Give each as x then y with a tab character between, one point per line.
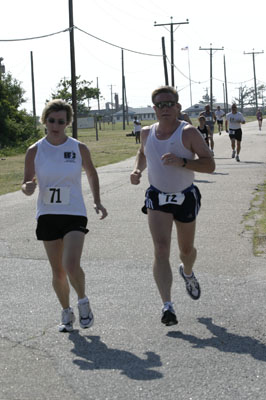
218	349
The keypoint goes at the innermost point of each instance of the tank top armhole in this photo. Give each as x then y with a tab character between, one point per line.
150	134
181	139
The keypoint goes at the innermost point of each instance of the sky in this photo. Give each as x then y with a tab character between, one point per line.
104	27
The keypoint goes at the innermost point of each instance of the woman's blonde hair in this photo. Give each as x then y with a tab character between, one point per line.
55	106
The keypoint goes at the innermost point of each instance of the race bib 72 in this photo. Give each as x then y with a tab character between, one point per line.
171	198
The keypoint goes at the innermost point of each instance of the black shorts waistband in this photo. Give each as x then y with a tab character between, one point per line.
188	189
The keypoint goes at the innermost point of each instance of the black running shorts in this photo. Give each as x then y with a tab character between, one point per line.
56	226
235	134
186	212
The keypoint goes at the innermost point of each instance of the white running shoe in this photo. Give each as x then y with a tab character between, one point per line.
233	153
237	158
86	318
68	318
192	284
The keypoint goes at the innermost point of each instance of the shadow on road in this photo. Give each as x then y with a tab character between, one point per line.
95	354
224	341
252	162
203	181
220	173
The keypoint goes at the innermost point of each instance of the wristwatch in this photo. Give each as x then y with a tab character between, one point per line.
185	162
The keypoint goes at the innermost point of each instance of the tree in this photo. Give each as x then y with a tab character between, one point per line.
16	126
84	92
247	96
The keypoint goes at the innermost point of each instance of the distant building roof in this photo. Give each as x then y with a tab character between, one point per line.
199	107
137	111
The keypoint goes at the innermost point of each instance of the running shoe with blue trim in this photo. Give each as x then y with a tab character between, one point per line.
192	285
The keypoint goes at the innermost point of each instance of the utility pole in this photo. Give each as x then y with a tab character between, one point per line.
172	43
33	89
254	71
98	101
73	71
164	63
123	90
111	87
225	88
224	99
262	98
211	50
241	98
189	74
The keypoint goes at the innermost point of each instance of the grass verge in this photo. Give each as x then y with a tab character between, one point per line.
255	220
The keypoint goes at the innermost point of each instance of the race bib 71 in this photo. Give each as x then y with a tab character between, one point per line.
57	195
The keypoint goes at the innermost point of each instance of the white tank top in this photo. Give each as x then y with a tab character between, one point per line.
167	178
58	170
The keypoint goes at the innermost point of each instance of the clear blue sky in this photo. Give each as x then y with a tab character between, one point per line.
130	24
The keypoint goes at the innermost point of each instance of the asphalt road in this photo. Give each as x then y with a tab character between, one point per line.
218	349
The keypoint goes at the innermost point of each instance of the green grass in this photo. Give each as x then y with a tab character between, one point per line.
113	146
11	173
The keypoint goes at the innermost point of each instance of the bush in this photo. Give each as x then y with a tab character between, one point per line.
16	126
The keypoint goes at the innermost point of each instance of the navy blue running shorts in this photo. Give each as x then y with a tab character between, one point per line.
186	212
56	226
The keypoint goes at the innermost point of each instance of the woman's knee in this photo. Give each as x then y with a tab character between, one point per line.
188	251
59	274
73	269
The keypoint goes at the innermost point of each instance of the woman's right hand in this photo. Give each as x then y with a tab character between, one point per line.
29	187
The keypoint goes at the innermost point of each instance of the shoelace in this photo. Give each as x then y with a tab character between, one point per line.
192	282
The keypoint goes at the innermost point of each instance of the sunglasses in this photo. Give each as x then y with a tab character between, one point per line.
167	104
60	121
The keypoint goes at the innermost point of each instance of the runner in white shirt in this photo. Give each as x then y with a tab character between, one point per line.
172	150
219	117
234	119
57	161
137	129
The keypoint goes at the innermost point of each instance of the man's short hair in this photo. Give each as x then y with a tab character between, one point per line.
165	89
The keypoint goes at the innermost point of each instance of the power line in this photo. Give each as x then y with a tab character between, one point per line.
87	33
35	37
232	83
201	82
184	75
115	45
